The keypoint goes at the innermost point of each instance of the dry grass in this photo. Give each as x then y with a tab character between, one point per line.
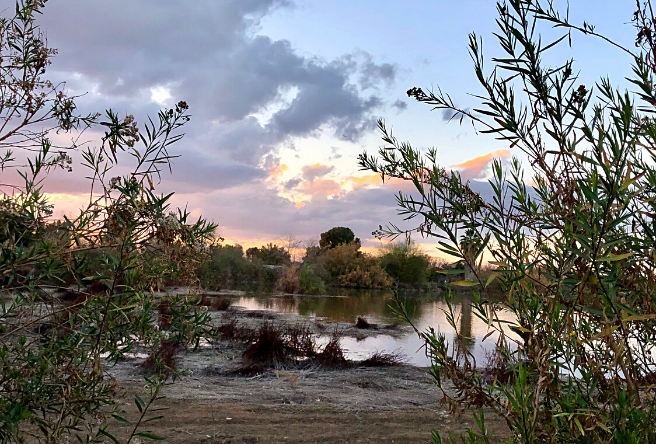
276	346
231	331
269	349
332	355
382	359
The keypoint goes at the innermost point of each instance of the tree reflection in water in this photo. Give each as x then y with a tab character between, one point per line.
345	305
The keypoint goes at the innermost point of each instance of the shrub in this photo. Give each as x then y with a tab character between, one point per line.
54	342
382	359
309	282
229	268
404	262
290	280
218	303
574	254
363	324
349	267
332	355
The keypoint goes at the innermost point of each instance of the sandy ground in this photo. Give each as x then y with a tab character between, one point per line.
211	404
357	405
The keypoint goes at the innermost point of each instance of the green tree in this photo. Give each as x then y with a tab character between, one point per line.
574	255
472	247
404	262
336	236
269	254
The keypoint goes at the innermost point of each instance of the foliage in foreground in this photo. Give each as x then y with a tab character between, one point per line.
78	295
575	254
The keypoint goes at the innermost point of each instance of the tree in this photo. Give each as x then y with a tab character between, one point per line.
574	254
269	254
404	262
77	294
472	247
336	236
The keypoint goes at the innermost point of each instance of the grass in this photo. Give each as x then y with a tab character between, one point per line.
382	359
232	331
332	355
269	349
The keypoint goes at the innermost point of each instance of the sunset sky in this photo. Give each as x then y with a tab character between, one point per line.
285	94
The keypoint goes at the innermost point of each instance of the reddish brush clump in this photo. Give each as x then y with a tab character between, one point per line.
73	301
97	287
382	359
301	341
221	304
230	330
166	354
268	348
332	355
497	368
164	314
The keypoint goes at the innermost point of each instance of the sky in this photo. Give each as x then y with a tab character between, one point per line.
285	94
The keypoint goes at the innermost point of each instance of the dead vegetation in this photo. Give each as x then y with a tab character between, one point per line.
383	359
165	355
332	355
164	314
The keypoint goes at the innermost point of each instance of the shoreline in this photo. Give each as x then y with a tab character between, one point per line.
212	403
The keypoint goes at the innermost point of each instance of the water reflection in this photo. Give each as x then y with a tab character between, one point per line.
345	305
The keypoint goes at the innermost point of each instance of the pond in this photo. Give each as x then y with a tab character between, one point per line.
345	305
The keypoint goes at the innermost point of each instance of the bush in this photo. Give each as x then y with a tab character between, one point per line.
229	268
290	280
78	294
574	254
349	267
404	262
309	282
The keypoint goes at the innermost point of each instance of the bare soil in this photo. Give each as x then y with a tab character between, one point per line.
300	404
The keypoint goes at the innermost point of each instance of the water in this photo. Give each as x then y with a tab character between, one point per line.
345	305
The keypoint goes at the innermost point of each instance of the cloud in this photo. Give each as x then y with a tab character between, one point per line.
292	183
210	54
279	170
249	94
400	105
477	167
370	180
311	172
321	187
449	114
334	153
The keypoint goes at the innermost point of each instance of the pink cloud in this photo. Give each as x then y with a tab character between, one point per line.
477	167
311	172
